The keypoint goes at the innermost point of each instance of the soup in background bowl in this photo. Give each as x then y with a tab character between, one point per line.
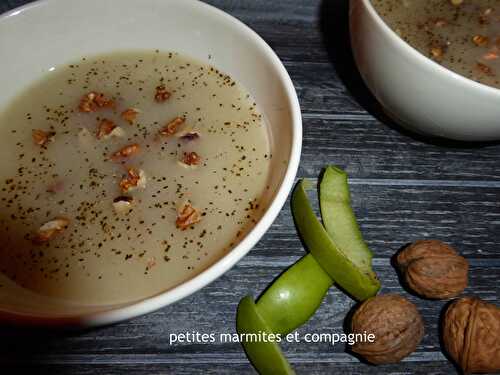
431	64
138	165
463	36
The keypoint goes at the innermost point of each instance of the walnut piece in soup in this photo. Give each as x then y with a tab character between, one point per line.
461	35
126	174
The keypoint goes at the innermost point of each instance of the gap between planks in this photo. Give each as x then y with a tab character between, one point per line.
362	116
198	358
285	261
428	183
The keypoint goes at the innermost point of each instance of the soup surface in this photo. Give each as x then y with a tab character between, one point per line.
462	35
125	174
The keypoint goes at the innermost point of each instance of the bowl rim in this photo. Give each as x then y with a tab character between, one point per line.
419	56
133	309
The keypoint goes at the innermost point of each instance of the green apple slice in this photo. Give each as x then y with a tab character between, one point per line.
335	261
294	296
339	220
265	356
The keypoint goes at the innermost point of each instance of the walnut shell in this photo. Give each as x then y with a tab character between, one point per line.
396	324
471	335
433	269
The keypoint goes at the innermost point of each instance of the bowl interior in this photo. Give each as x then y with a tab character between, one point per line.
49	33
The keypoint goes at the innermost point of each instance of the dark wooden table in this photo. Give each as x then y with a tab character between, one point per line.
404	188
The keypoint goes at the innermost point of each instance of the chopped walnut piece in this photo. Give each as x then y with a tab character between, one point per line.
172	126
492	55
116	132
102	102
50	229
104	128
485	69
92	101
480	40
187	215
123	204
130	180
133	180
436	52
41	137
191	158
130	115
161	94
125	152
484	17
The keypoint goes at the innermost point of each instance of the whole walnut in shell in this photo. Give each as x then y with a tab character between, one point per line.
396	324
433	269
471	335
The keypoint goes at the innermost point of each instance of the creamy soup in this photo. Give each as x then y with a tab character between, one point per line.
125	174
462	35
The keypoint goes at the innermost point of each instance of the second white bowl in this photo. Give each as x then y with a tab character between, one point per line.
414	90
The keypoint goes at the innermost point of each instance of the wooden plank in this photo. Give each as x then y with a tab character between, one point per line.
222	369
370	149
391	216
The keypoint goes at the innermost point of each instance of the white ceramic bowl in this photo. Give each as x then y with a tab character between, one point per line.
47	33
414	90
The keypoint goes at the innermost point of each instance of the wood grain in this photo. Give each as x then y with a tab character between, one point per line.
404	187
